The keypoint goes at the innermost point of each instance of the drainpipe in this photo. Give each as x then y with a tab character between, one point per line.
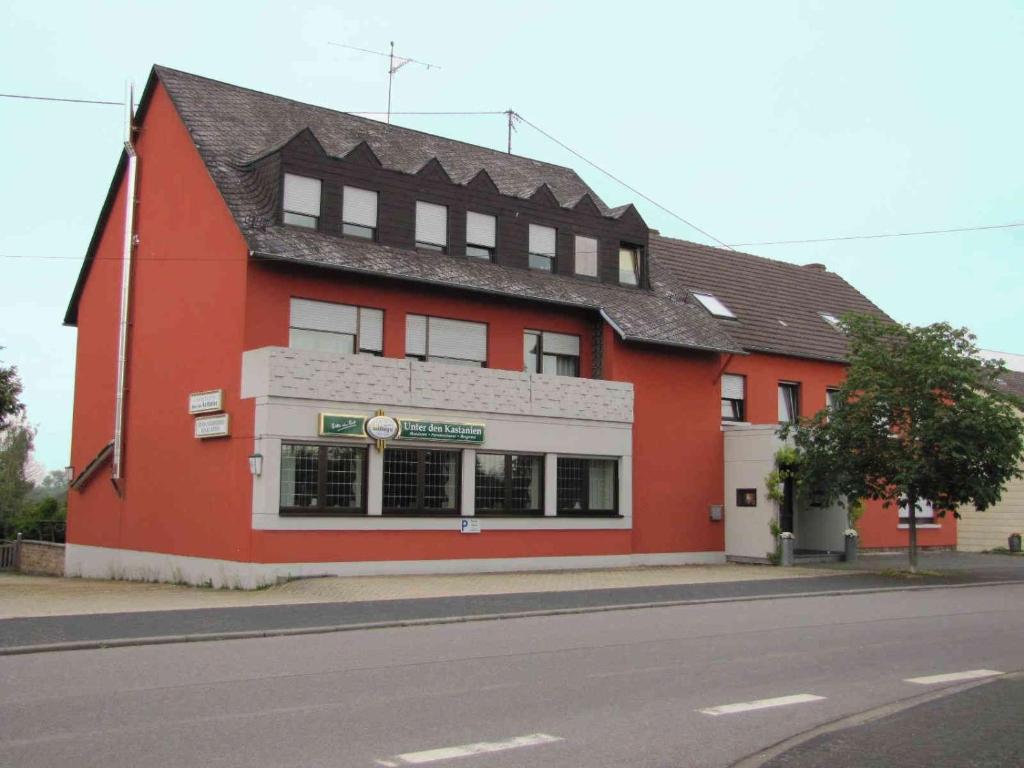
126	284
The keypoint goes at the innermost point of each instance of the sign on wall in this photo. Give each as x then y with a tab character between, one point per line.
469	525
212	426
342	425
445	431
206	402
381	427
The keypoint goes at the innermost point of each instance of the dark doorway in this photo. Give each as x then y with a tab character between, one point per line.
786	508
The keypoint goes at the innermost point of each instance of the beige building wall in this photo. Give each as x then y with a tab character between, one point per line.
978	531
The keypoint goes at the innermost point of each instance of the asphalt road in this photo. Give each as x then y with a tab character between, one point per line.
649	687
99	628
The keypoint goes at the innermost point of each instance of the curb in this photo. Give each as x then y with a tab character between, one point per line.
763	756
81	645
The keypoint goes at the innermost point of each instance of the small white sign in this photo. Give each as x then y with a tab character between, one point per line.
206	402
469	525
381	428
212	426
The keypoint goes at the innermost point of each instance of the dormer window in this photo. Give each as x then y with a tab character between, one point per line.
629	265
301	201
586	256
542	248
481	235
431	226
714	305
359	213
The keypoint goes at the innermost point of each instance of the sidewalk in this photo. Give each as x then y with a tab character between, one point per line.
26	596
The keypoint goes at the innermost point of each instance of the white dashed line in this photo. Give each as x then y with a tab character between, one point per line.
953	677
466	750
749	706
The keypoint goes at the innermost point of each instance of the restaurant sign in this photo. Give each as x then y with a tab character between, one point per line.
342	425
443	431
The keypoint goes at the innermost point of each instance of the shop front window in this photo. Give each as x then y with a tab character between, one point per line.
509	484
322	479
587	486
421	481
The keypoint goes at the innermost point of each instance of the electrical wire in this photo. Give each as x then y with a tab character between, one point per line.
615	178
54	98
888	234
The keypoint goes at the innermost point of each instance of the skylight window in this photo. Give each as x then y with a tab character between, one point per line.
830	319
713	305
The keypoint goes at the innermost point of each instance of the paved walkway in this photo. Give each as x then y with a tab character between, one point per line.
25	596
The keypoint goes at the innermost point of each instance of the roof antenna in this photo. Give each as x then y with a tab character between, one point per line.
512	117
395	63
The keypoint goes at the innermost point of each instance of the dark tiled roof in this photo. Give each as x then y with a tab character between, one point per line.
1012	382
761	293
234	126
639	315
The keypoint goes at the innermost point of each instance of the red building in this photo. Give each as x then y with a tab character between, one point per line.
559	385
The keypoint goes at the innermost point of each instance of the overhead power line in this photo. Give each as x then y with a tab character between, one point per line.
55	98
615	178
887	234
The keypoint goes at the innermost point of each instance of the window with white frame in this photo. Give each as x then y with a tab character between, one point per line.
714	305
359	213
629	265
546	352
542	248
340	328
301	205
431	226
481	235
789	402
924	513
587	486
440	340
734	397
586	256
831	397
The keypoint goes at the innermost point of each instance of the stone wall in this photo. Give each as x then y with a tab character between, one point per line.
293	373
41	558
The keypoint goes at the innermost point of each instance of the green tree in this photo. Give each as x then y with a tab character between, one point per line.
10	389
919	418
15	448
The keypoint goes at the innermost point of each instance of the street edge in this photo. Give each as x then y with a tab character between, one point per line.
83	645
762	756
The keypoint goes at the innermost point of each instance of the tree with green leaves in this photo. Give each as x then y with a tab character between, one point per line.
15	448
10	388
920	417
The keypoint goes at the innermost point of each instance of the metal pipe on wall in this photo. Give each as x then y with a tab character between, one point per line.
126	284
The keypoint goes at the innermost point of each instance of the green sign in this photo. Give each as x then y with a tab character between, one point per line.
342	425
443	431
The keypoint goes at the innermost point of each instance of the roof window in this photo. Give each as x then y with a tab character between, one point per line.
713	305
830	319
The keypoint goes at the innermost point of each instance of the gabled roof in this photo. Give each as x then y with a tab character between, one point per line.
778	305
1012	383
234	127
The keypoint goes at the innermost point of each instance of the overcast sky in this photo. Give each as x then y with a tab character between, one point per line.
756	121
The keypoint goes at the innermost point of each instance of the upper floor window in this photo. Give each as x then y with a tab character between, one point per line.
359	213
439	340
789	402
301	201
338	328
431	226
831	397
542	248
545	352
481	235
734	397
714	305
629	265
586	256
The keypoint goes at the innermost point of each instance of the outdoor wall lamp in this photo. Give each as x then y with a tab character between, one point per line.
256	464
69	473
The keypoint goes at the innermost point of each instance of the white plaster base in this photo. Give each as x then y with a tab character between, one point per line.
133	565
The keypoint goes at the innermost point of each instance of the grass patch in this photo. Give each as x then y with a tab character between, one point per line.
898	573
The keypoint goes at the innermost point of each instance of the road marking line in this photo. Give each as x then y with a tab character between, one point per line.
466	750
952	677
748	706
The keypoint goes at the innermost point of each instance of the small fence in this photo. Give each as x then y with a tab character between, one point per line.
9	555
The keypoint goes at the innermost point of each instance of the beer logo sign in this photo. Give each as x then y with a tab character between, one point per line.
381	428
